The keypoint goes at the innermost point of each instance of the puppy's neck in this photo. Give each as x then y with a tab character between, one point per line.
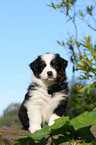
41	82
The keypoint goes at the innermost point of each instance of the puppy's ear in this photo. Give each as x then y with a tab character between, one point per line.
35	66
63	63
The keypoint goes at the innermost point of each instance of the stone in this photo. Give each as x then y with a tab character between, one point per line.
8	135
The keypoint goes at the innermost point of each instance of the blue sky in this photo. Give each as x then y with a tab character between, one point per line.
27	29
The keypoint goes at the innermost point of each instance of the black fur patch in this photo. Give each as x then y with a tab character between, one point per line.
22	114
23	111
61	109
60	63
37	66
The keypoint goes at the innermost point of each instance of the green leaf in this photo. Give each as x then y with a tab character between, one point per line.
40	134
59	42
60	122
69	19
94	109
81	13
86	119
61	126
53	5
24	141
82	62
89	10
58	6
63	44
48	5
43	141
82	125
69	6
86	134
89	89
83	88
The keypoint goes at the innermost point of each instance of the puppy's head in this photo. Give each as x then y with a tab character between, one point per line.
48	66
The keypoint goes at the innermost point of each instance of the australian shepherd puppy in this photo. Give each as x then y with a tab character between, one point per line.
47	96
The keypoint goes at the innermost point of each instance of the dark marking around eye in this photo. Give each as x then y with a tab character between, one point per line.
43	63
53	62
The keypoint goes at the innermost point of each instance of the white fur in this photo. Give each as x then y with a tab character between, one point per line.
52	118
48	58
41	105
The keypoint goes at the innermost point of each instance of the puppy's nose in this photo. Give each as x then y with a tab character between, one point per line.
49	73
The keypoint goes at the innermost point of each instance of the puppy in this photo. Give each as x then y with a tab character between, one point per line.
47	96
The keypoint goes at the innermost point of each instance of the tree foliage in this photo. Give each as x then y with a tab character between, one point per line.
10	115
82	51
80	101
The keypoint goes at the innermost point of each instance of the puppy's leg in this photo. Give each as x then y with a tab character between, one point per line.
34	115
52	118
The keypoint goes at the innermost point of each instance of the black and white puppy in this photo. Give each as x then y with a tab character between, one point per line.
47	96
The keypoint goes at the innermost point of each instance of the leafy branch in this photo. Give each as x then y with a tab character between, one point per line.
83	53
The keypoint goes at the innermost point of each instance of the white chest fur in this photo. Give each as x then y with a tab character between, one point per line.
42	104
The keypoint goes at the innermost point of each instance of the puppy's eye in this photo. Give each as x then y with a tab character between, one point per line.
53	62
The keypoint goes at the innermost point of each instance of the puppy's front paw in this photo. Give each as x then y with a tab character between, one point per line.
51	122
52	119
33	129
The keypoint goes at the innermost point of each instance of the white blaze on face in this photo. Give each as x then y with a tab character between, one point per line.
47	58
